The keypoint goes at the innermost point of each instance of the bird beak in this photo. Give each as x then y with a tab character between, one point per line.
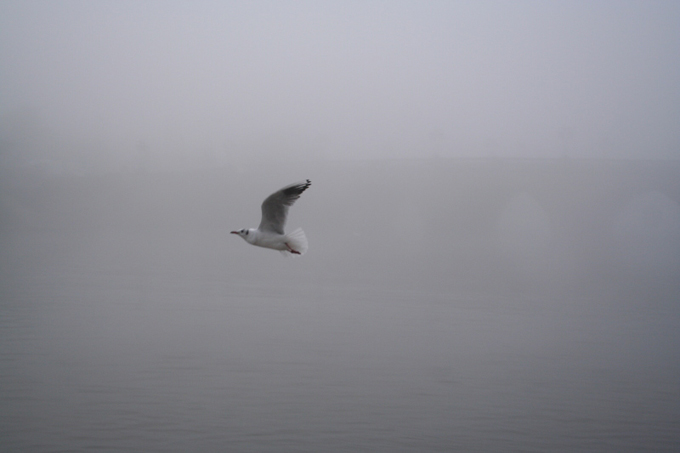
234	232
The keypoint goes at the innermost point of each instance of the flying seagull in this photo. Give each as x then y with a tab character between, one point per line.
270	232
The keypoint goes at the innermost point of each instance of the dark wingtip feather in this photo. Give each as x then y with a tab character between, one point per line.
297	189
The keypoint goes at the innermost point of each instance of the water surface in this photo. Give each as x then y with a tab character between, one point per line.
125	352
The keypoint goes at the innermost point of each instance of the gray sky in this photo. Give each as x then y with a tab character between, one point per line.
240	80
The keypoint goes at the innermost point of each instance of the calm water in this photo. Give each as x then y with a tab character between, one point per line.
114	355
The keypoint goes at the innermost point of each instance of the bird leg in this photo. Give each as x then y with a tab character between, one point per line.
291	250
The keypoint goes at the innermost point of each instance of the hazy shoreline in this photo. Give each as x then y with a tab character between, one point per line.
442	223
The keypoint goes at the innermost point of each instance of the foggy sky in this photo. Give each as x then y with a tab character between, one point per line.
118	81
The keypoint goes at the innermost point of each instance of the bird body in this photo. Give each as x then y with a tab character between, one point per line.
292	242
270	234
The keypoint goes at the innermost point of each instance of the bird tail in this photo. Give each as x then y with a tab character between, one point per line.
297	241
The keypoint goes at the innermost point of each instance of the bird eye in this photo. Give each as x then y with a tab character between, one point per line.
246	233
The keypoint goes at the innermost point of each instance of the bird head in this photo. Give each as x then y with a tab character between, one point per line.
245	233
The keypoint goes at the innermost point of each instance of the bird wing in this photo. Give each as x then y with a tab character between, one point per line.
275	206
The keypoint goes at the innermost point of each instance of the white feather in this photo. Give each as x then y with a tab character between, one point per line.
297	240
